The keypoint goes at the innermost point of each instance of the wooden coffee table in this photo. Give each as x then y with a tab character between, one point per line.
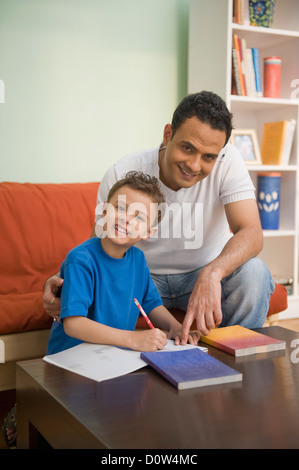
143	411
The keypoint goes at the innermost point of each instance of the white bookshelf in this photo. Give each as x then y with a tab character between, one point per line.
210	59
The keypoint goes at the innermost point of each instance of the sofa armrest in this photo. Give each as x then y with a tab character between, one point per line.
21	346
2	351
18	347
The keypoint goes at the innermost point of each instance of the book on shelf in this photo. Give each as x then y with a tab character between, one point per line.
236	81
240	341
241	12
254	13
277	142
250	74
237	12
291	126
243	62
257	71
190	368
245	69
238	65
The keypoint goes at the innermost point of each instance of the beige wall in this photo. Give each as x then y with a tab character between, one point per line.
86	81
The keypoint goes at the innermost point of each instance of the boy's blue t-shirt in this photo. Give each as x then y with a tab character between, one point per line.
103	289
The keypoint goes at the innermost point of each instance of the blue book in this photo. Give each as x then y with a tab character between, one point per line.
190	368
257	72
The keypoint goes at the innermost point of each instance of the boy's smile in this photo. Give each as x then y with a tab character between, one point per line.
129	217
121	230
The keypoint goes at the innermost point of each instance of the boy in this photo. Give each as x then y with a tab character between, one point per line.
102	276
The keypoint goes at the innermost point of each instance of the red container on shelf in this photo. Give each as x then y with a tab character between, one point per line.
272	73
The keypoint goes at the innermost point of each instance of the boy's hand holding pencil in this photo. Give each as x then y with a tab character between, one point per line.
151	340
148	340
168	323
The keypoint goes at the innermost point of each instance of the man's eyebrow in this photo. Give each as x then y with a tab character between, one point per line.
213	155
186	142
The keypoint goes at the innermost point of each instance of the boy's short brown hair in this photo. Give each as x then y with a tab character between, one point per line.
141	182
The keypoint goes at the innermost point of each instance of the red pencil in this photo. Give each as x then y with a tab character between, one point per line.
144	314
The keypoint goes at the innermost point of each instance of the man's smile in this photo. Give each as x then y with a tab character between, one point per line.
188	173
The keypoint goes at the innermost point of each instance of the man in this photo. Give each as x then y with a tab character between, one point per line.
216	277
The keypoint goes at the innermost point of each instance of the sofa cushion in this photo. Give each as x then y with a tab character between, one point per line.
278	300
23	312
40	223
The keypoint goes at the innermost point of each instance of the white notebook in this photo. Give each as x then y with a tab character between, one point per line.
101	362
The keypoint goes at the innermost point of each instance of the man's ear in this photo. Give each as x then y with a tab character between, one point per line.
150	233
167	134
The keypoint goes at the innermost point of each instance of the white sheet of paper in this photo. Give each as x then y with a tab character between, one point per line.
101	362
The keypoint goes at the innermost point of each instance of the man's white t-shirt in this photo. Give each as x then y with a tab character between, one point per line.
194	229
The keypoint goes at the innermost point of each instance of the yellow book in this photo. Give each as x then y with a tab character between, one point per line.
273	142
240	341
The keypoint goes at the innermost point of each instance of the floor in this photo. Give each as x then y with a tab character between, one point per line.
290	324
7	399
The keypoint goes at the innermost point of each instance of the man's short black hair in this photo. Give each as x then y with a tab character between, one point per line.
208	107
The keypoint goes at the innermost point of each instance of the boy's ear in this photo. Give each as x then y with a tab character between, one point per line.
150	233
105	207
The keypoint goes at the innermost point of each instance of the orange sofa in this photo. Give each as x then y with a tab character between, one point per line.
40	223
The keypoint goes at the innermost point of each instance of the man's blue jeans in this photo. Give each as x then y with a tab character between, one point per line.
245	293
